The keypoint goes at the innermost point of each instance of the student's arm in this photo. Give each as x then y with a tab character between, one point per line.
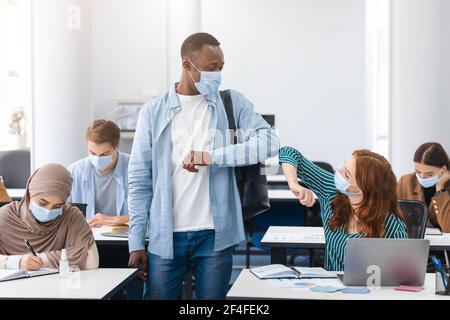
140	182
305	196
320	181
101	219
78	241
140	191
91	262
441	206
26	262
92	259
260	141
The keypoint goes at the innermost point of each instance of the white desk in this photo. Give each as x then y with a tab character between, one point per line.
107	240
283	195
248	286
87	284
281	238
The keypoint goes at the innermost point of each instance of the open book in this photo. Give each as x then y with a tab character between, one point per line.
279	271
6	275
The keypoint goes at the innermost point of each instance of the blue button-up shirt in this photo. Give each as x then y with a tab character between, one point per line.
83	186
150	170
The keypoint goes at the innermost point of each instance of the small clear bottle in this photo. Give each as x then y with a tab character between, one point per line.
64	268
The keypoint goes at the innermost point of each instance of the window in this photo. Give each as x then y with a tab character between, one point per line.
14	66
378	74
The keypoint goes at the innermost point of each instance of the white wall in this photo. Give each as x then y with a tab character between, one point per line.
183	19
420	78
61	76
302	60
127	53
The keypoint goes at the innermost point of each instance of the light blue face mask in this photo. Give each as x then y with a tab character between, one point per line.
209	81
44	215
428	182
101	163
342	184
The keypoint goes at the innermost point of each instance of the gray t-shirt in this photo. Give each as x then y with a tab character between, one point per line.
105	193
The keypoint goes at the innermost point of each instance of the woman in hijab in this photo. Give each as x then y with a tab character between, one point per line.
50	224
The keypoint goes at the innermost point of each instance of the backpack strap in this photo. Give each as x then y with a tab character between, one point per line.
228	104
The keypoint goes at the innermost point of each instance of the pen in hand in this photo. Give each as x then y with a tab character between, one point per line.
30	247
30	262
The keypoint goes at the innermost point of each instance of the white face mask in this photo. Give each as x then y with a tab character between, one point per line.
101	163
342	184
209	81
428	182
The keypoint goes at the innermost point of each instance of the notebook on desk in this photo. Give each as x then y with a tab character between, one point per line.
279	271
6	275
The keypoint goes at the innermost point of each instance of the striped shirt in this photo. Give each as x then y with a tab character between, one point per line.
322	184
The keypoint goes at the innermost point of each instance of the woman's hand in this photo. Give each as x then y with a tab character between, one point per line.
304	196
30	262
443	180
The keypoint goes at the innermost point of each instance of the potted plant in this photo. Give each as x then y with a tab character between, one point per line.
18	135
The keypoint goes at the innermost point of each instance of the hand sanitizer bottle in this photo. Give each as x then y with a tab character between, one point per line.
63	264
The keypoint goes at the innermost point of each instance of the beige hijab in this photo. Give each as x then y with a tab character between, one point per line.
69	231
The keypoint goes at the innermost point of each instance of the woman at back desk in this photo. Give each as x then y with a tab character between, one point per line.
430	183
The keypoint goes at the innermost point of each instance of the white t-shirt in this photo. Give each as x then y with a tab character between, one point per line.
190	131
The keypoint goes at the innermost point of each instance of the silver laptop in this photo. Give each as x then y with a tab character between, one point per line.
385	262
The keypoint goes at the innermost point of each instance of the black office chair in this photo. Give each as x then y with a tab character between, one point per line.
81	206
15	168
416	217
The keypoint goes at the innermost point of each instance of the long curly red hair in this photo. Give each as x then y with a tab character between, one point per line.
378	183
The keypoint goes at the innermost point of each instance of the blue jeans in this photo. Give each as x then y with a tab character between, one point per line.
192	251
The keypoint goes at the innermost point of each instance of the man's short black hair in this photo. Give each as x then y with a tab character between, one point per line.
195	42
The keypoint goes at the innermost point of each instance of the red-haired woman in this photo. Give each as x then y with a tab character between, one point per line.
359	201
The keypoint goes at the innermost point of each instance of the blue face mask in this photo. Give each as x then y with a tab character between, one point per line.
428	182
342	184
101	163
44	215
209	81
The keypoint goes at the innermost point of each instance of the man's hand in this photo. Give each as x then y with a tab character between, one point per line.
196	158
139	260
30	262
304	196
100	219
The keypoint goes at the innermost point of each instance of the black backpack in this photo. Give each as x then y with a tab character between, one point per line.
252	185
